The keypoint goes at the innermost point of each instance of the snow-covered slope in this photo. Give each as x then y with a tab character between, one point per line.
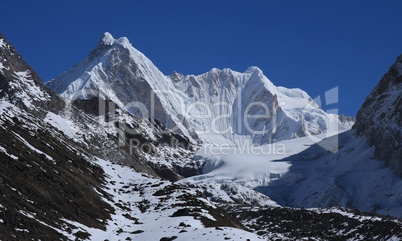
218	106
152	209
351	178
301	173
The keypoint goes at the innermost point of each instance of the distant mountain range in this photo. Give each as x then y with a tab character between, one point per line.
209	107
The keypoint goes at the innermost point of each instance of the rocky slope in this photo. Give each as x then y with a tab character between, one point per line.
20	85
380	118
113	134
45	176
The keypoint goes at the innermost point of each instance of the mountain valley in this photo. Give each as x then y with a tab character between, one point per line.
113	149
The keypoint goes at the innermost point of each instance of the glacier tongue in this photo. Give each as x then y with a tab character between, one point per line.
218	106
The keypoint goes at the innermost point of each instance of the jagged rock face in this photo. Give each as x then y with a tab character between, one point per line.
20	84
380	118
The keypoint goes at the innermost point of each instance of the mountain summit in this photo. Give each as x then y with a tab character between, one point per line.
107	39
218	106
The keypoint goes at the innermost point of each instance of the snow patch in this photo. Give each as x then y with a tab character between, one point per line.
33	148
1	67
61	124
27	89
2	149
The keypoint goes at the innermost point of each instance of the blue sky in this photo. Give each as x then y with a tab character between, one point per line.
312	45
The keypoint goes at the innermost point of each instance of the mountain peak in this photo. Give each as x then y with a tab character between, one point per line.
253	69
107	39
398	65
2	44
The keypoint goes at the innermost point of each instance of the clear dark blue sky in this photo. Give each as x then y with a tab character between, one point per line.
312	45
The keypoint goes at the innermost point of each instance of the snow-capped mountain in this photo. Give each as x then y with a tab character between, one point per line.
124	75
91	170
380	118
209	107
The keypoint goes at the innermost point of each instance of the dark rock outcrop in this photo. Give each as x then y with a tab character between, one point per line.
380	118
